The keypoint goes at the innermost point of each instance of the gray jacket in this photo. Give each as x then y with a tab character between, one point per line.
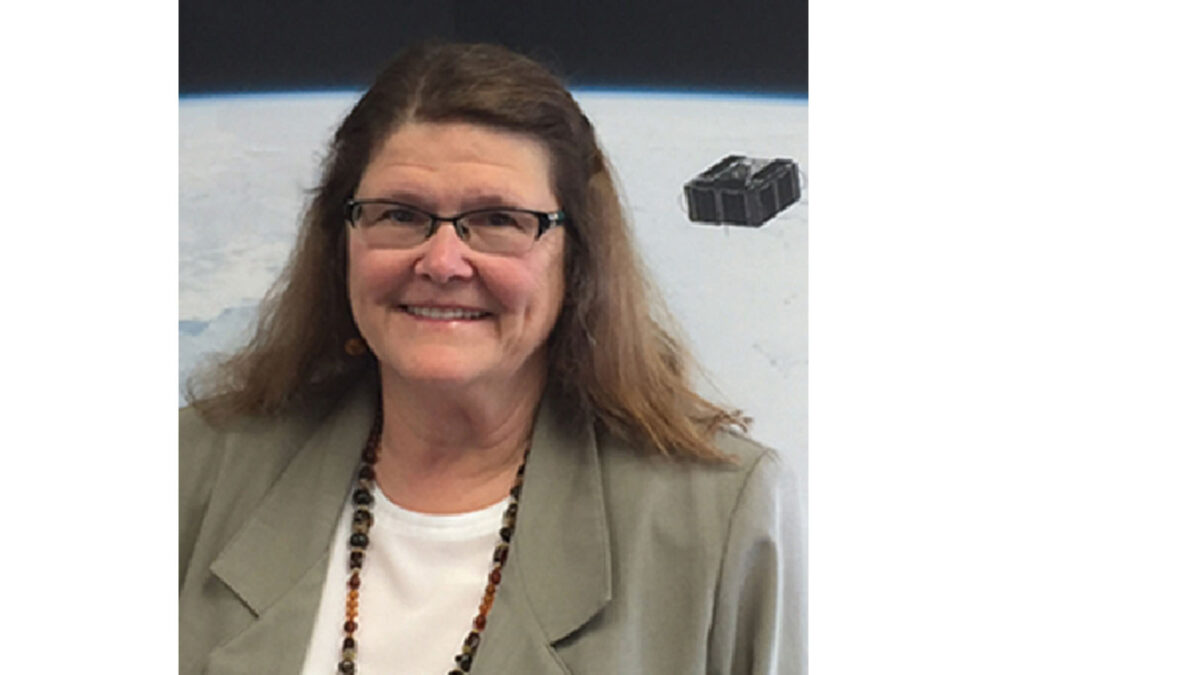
621	563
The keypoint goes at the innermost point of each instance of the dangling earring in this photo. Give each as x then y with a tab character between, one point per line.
355	347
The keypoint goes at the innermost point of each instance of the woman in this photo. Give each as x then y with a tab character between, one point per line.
459	441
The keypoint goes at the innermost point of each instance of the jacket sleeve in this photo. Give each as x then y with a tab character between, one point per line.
759	624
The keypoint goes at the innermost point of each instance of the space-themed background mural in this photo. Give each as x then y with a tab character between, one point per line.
673	90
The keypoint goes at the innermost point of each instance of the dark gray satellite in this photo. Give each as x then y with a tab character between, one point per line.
740	190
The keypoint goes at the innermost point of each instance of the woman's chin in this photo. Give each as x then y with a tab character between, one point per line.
440	373
449	370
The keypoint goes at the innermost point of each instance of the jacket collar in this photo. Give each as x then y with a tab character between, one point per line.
276	563
561	550
558	576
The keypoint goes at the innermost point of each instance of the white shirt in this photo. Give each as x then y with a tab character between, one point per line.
423	578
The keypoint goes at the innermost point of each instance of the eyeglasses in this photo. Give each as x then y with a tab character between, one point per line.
388	224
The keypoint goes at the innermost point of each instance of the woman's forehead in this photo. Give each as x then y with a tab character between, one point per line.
430	142
469	162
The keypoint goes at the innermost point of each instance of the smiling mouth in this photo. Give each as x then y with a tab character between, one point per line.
443	313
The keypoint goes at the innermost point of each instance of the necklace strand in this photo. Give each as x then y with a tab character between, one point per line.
361	525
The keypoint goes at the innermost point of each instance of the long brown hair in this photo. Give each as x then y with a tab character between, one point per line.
611	354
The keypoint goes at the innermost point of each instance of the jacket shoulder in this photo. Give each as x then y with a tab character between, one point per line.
699	498
747	458
759	467
702	554
237	449
225	469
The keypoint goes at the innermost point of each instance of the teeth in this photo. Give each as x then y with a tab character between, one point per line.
440	313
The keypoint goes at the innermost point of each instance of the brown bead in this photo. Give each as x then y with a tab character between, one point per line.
353	595
472	640
356	559
490	590
501	554
349	643
486	605
480	622
366	473
354	582
363	516
349	627
494	577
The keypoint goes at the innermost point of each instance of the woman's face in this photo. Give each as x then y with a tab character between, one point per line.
403	299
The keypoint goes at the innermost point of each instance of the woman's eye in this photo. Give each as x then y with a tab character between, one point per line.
499	219
404	216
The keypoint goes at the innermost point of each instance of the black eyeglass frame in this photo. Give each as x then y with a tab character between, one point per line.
546	220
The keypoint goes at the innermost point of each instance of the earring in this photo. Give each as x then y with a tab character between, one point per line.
355	347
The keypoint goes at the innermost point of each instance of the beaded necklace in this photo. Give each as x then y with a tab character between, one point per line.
361	525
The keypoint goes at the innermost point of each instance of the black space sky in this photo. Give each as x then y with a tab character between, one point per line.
252	45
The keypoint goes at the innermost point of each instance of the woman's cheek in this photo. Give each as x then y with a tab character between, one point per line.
377	276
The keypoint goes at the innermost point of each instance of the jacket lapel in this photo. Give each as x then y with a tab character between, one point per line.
559	574
557	578
276	564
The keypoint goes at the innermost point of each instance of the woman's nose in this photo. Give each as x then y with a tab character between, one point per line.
444	255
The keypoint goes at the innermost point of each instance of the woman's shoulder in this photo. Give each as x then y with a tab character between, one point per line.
235	454
228	466
238	456
702	497
746	459
709	554
246	443
243	446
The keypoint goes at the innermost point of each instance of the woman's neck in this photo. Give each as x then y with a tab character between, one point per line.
446	450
